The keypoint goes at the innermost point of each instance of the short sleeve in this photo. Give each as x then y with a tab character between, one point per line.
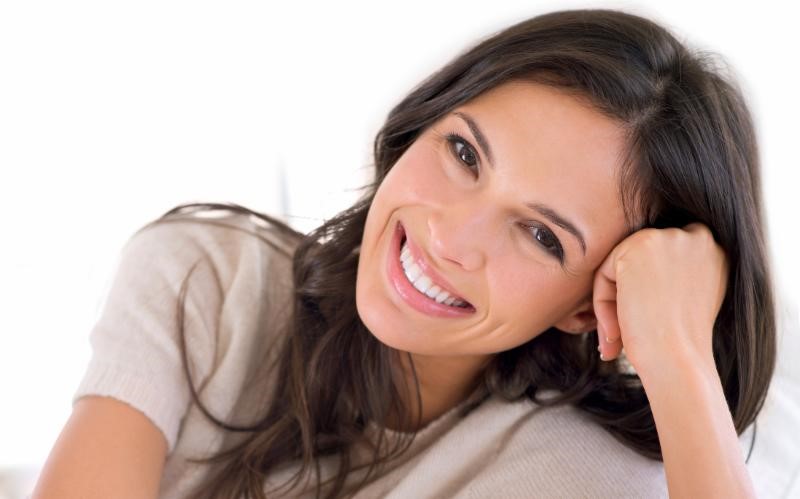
136	352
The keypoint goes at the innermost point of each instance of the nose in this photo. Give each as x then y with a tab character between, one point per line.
459	236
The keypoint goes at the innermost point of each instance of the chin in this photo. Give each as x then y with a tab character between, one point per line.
376	319
382	323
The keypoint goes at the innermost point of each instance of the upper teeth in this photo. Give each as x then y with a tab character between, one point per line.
423	283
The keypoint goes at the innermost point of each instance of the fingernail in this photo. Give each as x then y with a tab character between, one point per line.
609	340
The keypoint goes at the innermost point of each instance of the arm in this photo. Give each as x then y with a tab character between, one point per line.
702	455
106	449
657	295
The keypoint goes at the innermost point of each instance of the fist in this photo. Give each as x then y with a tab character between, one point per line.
658	293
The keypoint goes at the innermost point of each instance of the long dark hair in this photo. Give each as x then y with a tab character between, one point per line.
692	157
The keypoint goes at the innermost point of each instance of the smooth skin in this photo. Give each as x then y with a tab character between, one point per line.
657	295
106	449
466	207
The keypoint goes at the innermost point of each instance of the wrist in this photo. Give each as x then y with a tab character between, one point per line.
675	364
701	452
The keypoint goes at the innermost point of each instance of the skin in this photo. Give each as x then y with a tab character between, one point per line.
655	292
470	220
658	294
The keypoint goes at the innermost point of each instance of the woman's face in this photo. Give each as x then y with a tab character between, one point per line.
472	197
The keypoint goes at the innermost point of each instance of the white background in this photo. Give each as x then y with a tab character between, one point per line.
112	113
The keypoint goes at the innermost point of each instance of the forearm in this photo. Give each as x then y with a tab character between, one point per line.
702	455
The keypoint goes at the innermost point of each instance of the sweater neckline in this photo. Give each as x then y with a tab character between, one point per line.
434	425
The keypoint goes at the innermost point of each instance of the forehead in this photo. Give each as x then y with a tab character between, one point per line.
541	114
554	147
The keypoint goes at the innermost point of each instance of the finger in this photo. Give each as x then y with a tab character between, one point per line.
604	298
604	301
610	351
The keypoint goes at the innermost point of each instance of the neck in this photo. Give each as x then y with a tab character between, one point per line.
444	382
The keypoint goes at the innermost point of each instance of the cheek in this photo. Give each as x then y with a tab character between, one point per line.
419	176
523	288
532	294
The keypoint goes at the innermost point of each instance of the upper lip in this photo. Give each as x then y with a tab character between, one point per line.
418	255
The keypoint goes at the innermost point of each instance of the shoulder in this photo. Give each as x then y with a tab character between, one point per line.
193	290
223	237
228	271
210	252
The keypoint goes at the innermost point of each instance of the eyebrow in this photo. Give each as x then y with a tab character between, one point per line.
540	208
479	137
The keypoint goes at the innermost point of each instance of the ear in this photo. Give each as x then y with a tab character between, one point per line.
580	320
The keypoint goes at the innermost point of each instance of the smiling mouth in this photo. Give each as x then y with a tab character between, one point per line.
424	283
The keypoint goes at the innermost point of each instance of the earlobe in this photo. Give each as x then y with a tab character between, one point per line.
588	322
580	321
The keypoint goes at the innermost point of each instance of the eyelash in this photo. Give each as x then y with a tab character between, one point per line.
453	139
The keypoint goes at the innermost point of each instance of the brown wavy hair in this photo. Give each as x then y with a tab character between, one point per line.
692	157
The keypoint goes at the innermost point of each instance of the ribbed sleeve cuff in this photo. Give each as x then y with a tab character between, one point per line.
142	391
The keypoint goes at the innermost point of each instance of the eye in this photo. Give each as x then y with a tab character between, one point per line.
463	152
547	240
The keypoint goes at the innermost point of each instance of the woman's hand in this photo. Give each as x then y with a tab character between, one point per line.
658	294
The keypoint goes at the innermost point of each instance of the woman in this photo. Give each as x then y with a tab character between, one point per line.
576	184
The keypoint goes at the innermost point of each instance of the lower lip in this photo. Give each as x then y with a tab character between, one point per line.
411	295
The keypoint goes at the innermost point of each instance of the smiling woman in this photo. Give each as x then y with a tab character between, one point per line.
573	185
472	227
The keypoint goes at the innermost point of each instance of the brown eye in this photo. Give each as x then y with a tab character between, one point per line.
463	152
547	240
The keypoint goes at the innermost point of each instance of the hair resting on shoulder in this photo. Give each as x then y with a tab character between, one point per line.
692	158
